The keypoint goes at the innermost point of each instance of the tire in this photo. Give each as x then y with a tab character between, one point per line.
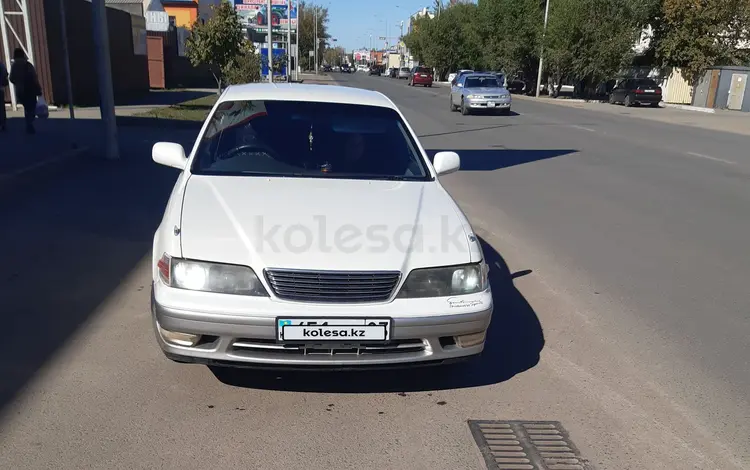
464	110
452	107
612	99
628	102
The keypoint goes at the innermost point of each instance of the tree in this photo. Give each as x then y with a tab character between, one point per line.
511	32
245	68
216	42
306	17
591	40
699	34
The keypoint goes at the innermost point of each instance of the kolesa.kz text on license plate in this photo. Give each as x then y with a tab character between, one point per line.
333	329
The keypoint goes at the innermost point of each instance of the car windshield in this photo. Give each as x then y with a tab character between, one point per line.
404	69
308	139
478	82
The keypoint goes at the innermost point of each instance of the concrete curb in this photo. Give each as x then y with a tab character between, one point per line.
689	108
29	174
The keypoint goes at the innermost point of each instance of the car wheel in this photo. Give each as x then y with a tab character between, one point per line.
628	102
464	109
612	99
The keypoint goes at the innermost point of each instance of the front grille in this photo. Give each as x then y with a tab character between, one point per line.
332	286
271	347
491	97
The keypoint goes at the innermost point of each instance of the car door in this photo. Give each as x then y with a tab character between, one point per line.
457	90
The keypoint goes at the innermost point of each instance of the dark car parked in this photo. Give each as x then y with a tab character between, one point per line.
636	91
393	72
346	69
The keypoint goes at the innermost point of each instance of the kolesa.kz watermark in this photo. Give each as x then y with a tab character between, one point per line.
301	237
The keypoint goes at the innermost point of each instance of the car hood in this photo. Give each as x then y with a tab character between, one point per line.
487	90
322	224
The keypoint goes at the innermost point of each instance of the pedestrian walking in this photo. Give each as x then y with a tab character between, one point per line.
24	78
3	84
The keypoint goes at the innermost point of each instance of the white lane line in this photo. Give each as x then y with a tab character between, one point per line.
583	128
708	157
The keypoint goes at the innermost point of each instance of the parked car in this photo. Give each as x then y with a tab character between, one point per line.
404	72
345	68
393	72
374	70
420	76
636	91
327	68
230	282
453	76
479	92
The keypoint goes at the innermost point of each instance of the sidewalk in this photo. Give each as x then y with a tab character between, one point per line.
57	142
720	120
319	79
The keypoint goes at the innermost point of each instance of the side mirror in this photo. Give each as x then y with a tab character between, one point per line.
169	154
446	163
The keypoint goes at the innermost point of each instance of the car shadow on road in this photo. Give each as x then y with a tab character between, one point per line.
496	159
70	238
514	342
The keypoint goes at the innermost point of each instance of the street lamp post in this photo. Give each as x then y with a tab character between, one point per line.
541	52
315	46
270	42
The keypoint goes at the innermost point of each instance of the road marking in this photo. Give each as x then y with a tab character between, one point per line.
583	128
708	157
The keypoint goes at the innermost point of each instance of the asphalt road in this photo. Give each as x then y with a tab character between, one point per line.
620	266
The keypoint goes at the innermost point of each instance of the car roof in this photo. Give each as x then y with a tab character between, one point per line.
481	74
303	92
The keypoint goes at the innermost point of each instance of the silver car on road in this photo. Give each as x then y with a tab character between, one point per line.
479	91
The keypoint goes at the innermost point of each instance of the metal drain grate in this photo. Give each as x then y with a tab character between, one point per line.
526	445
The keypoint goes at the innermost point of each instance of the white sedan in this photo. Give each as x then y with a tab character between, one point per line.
308	228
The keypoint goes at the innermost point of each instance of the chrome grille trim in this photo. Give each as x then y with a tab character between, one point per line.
256	345
332	286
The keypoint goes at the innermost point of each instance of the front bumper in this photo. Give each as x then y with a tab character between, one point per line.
489	104
250	341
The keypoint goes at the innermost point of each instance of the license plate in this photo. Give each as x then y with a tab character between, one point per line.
333	329
490	105
423	76
649	91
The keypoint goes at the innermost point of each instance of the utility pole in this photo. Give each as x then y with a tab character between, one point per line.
296	52
104	71
270	41
541	52
315	46
289	41
66	59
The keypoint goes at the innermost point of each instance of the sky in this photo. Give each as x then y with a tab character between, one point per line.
353	21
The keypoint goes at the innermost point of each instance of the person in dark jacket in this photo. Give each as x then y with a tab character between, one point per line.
24	78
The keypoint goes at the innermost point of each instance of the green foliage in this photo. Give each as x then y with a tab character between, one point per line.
245	68
588	40
699	34
217	42
591	39
306	17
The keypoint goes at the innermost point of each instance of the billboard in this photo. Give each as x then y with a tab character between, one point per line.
362	54
277	55
254	14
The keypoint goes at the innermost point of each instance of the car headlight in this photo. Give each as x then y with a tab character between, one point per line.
446	281
210	277
472	96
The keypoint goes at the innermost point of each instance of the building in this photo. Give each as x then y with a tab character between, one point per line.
44	47
408	59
